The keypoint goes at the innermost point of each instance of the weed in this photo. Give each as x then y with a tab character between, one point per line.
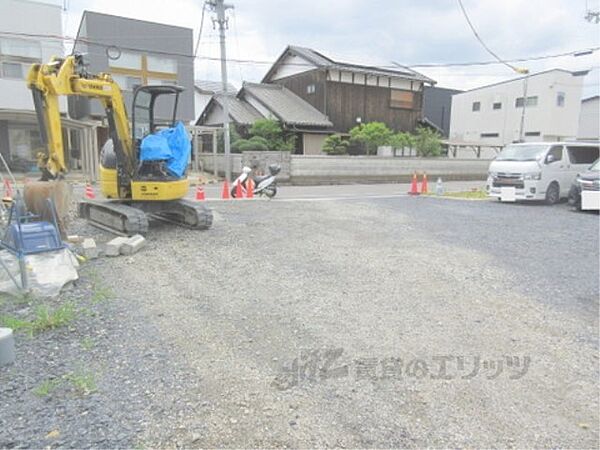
83	382
87	343
102	294
47	319
472	195
15	324
46	388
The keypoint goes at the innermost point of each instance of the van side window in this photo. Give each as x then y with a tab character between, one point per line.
556	151
583	154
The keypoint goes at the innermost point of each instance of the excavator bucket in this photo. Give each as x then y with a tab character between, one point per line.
36	195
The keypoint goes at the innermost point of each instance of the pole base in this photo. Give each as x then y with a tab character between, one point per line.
7	347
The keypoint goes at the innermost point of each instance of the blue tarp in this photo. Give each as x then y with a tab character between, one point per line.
171	145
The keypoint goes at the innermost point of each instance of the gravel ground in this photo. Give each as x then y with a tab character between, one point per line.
322	324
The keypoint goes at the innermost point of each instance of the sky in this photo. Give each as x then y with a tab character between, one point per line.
379	32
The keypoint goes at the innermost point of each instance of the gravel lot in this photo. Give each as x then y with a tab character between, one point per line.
325	324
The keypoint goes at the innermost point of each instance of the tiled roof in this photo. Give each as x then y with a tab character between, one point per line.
213	87
287	106
240	111
322	61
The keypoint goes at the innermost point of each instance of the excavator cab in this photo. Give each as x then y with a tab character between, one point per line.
143	120
146	100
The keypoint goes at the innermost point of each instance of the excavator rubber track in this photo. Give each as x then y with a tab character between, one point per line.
186	213
132	218
114	216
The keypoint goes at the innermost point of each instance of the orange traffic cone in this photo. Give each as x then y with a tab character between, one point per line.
89	191
225	193
424	184
250	188
8	190
238	191
413	186
200	193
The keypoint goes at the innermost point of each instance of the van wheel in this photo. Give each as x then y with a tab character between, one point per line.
552	193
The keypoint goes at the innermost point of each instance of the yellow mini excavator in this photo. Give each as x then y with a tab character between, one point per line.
135	189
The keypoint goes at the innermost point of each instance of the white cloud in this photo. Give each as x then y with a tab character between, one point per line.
380	31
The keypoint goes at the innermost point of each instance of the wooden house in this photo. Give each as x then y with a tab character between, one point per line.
350	94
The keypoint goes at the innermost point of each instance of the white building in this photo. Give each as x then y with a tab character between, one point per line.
492	114
589	119
19	136
204	91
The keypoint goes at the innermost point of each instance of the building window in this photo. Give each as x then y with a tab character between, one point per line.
127	83
16	56
532	133
130	70
497	105
402	99
560	99
476	106
489	135
311	89
165	65
127	60
22	48
12	70
531	101
158	81
24	143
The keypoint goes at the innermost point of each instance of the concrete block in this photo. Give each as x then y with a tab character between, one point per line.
7	346
90	250
133	244
113	248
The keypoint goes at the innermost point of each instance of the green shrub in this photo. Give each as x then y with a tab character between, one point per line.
371	135
335	145
274	137
427	142
402	140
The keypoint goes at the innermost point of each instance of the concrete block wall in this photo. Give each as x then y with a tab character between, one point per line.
322	169
377	169
208	161
260	161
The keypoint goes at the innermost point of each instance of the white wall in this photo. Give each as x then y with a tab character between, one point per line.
200	102
589	120
292	65
552	121
24	16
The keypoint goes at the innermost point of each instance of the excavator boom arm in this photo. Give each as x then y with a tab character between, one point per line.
67	77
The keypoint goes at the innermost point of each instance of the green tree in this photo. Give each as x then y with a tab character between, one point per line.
402	140
335	145
256	143
427	142
371	135
272	132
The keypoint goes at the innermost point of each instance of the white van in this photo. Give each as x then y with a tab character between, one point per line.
539	170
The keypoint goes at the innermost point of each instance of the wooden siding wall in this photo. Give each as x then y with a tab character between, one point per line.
298	83
344	102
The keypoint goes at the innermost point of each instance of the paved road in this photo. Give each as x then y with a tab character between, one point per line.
213	191
373	322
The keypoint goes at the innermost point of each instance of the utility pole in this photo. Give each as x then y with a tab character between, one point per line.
219	7
522	127
523	71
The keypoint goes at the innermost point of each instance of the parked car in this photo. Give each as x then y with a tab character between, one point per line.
585	181
539	170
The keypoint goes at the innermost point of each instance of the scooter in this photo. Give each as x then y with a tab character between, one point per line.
263	185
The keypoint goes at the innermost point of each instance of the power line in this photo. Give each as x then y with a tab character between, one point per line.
489	50
200	31
91	42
